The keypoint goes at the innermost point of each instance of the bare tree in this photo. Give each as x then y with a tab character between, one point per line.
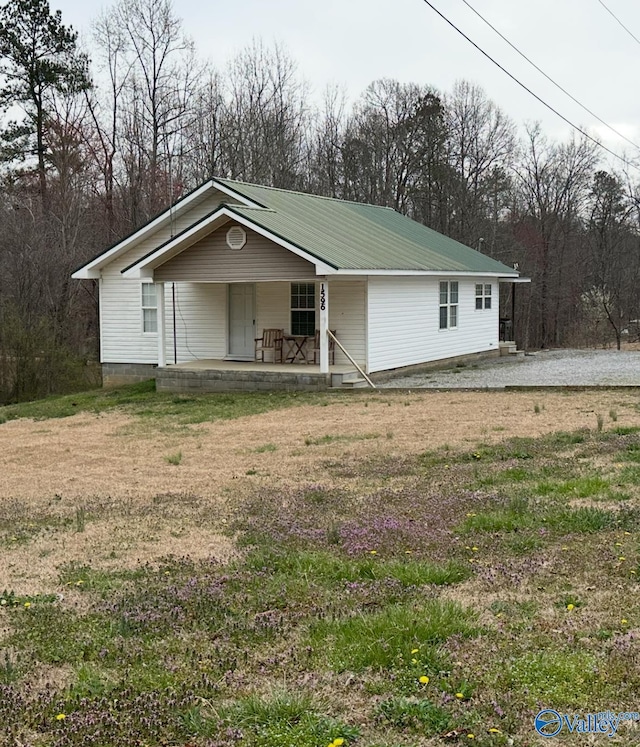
552	189
105	102
326	172
266	119
481	147
614	261
141	115
389	144
206	133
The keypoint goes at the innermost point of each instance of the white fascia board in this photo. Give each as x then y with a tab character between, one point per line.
425	273
92	269
145	267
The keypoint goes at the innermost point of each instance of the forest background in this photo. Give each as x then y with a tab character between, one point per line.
93	145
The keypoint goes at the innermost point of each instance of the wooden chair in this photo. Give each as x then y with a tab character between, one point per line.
316	348
271	340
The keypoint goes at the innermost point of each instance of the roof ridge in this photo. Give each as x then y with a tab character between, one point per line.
306	194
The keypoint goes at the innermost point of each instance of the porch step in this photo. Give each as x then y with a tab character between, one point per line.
510	348
347	380
354	384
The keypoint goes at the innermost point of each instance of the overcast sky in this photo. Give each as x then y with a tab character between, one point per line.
353	42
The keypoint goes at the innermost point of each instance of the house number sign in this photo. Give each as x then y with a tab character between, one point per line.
323	298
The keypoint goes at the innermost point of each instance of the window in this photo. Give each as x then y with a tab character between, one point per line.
483	296
149	308
303	309
448	304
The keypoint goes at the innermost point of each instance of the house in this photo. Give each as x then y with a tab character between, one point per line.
189	292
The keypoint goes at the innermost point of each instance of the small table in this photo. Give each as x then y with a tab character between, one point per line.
294	348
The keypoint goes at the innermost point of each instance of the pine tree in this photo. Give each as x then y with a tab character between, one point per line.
39	59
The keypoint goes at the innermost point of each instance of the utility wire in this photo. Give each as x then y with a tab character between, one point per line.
549	78
631	34
530	92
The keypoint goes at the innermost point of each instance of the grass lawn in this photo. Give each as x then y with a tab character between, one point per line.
447	605
142	400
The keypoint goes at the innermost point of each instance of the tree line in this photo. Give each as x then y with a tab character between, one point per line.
92	146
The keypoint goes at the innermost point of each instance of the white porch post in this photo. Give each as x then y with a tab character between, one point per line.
323	296
162	353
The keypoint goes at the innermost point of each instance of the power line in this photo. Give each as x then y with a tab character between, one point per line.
529	91
631	34
549	78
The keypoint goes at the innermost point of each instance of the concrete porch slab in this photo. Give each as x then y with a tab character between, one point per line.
228	376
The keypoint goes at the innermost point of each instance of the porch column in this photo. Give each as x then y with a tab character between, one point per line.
323	296
162	353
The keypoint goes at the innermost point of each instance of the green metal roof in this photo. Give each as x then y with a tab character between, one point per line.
354	236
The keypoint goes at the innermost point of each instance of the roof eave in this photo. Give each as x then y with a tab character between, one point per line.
426	273
144	267
91	270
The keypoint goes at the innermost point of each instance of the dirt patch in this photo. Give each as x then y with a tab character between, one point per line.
118	501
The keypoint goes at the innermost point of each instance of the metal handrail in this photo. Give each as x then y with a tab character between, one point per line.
339	344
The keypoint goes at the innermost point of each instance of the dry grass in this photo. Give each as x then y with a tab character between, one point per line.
138	507
351	508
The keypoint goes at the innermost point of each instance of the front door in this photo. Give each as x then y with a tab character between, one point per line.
242	321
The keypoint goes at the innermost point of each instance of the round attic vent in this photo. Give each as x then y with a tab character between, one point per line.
236	237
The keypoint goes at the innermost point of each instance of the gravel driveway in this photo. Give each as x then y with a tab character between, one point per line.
546	368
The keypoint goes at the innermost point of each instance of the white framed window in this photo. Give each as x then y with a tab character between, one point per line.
448	304
303	309
149	302
483	296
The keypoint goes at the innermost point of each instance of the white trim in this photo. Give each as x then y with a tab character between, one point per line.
323	304
100	312
366	326
92	268
483	296
162	326
146	265
144	308
448	306
229	354
433	273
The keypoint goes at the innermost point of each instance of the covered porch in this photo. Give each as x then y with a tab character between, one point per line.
217	286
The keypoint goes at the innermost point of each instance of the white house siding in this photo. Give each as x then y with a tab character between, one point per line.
273	306
347	315
347	306
201	321
403	321
120	305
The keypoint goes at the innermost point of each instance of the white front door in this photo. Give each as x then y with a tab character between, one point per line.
242	321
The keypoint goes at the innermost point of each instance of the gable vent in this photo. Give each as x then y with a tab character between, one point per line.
236	237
